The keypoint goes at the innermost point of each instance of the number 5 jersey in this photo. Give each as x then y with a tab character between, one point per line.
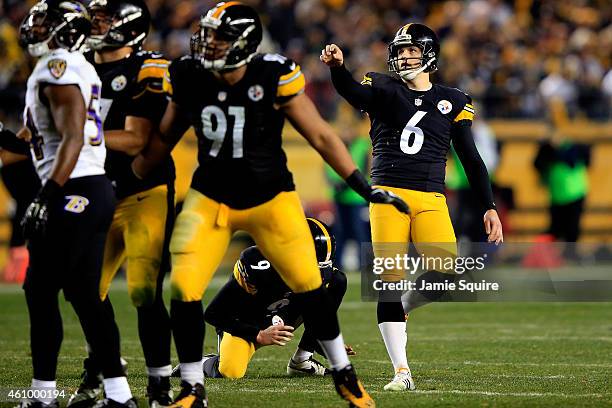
61	67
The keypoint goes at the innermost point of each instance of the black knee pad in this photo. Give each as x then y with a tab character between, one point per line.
433	277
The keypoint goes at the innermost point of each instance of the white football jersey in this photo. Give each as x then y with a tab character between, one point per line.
62	67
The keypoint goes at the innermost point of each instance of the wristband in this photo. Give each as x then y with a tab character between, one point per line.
50	190
358	182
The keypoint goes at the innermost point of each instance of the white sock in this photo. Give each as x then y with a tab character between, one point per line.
46	386
335	352
117	389
395	337
192	373
164	371
301	355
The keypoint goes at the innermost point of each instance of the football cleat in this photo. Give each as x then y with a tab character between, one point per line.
350	388
90	389
191	396
306	367
159	392
32	403
109	403
401	382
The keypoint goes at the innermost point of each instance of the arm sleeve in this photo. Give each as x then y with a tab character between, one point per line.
291	81
10	142
361	96
475	169
223	312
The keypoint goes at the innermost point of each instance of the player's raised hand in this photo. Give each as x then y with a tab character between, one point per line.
332	55
275	335
380	196
493	227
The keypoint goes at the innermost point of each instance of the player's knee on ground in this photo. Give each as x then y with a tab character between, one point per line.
231	369
433	278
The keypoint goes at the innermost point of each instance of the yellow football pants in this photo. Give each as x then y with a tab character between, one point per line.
137	235
428	226
204	228
235	353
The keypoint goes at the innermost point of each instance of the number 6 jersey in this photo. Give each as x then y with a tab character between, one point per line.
61	67
241	161
412	130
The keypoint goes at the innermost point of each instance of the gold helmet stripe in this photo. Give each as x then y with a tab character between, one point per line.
405	28
220	9
328	238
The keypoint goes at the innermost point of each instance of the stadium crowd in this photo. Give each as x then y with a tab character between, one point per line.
516	58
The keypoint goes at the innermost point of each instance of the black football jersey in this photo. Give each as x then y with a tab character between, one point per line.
257	276
132	86
411	131
241	160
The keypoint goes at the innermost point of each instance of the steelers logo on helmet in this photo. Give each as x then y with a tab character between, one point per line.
324	241
228	36
421	36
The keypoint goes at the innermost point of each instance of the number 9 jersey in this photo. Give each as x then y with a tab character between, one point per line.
239	127
61	67
411	131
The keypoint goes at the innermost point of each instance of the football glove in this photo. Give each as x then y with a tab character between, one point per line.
34	222
375	195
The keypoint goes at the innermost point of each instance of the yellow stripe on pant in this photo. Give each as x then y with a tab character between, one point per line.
137	235
428	226
204	228
235	353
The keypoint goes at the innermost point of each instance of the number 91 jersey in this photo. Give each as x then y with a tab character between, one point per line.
61	67
411	131
241	160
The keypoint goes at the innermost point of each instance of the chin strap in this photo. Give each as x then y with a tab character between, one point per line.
409	75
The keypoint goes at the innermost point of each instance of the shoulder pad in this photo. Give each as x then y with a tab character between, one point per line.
462	103
291	80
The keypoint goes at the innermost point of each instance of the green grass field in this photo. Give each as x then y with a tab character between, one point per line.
497	354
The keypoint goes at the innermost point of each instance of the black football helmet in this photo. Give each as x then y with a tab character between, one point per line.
61	23
421	36
325	243
128	23
228	36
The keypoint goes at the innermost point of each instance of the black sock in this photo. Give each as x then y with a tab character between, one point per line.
187	319
154	333
319	312
101	331
46	332
390	311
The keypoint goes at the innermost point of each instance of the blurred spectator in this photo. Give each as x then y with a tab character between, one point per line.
562	166
351	220
519	57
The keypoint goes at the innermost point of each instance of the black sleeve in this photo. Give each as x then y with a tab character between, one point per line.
9	141
223	312
475	169
358	95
